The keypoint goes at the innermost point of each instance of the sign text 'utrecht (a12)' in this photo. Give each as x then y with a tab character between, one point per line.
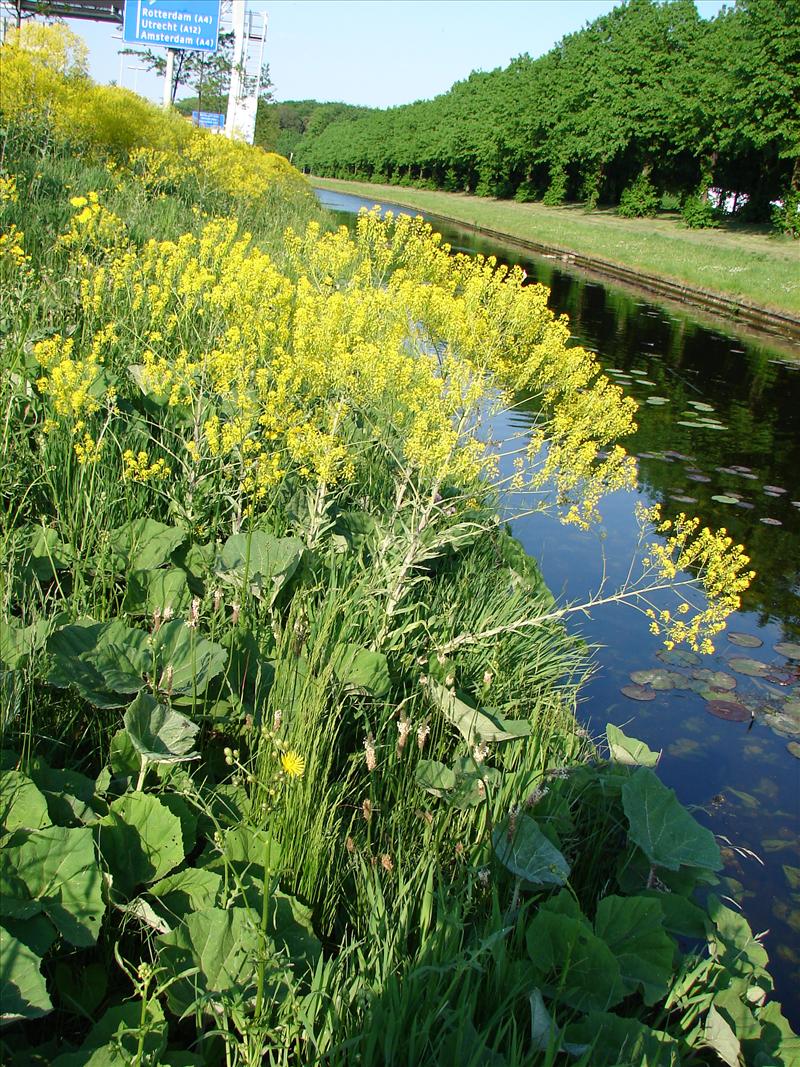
188	24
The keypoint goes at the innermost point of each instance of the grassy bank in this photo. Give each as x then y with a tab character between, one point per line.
290	767
757	267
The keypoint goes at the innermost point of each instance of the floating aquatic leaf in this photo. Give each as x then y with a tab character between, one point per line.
792	877
728	710
794	748
699	406
715	679
745	504
698	477
680	499
638	692
771	522
678	657
790	649
657	401
725	499
753	668
776	489
656	677
744	640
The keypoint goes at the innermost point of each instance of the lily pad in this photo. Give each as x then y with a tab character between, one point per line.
728	710
744	640
699	406
753	668
724	498
716	679
638	692
657	401
776	489
794	748
698	477
680	499
656	677
790	649
678	657
770	521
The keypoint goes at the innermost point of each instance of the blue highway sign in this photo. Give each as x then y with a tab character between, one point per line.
183	24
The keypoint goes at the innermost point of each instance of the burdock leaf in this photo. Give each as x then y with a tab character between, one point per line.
663	828
159	734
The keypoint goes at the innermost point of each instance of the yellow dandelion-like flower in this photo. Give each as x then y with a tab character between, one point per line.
294	766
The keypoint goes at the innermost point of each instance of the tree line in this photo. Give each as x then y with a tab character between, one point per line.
647	100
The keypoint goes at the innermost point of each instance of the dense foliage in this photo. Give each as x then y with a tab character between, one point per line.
648	93
290	768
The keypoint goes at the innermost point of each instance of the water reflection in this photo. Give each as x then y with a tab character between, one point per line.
718	437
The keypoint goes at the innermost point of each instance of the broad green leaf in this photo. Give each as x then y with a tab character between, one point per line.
362	669
434	777
191	890
125	760
718	1035
81	985
663	828
544	1031
620	1042
681	916
572	962
159	734
632	928
247	847
23	991
736	947
22	805
265	561
60	872
223	945
629	750
475	724
143	544
37	932
164	590
185	661
738	1013
291	929
70	795
528	854
140	840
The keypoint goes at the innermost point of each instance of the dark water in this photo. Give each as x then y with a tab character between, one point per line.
741	401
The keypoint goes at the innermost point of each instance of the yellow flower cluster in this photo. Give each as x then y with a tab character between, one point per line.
138	468
69	381
93	227
88	450
8	189
714	561
12	248
382	332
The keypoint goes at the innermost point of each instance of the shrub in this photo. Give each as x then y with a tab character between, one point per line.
640	200
786	216
699	213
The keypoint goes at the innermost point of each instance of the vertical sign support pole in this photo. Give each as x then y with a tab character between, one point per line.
235	92
168	77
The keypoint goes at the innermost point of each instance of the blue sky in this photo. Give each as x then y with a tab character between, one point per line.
382	52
